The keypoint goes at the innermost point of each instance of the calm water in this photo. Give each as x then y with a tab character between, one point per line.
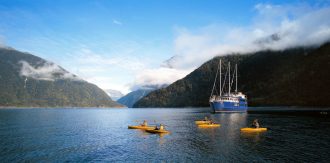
102	135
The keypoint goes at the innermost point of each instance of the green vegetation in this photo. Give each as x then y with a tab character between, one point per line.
60	92
294	77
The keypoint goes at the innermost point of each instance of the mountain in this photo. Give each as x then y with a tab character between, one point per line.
29	81
114	94
130	99
293	77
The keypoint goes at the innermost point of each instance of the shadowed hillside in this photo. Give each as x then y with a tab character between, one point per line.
129	99
29	81
294	77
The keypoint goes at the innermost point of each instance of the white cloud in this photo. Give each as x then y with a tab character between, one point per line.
157	77
111	72
107	82
114	21
45	71
107	72
125	66
88	57
274	27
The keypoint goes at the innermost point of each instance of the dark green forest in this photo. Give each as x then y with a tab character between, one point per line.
293	77
21	91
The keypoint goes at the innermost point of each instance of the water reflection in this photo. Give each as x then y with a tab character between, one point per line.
252	136
210	132
232	123
82	135
161	139
142	134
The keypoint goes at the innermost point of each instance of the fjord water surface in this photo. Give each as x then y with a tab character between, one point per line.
102	135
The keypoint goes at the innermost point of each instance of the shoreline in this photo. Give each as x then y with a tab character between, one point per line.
296	111
64	107
250	109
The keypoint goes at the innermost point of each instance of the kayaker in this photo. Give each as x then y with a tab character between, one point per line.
206	119
255	123
161	127
211	122
144	123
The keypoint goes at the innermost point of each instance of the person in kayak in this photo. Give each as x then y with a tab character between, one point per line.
206	119
144	123
255	123
210	122
161	127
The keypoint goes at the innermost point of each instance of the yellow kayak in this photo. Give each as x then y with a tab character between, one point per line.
201	122
247	129
157	131
209	125
142	127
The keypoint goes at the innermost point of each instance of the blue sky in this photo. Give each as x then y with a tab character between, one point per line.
124	45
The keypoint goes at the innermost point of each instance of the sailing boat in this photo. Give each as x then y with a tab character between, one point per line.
227	101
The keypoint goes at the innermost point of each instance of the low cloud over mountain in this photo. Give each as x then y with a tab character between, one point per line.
46	71
275	27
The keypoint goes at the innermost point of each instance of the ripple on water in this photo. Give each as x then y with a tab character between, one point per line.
81	135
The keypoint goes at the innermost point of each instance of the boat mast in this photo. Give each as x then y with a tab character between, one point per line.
229	85
236	77
215	80
220	78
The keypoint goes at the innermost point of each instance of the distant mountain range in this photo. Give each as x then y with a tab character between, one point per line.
29	81
130	99
293	77
114	94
